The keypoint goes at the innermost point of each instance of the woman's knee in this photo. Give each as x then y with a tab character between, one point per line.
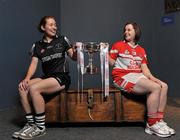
164	86
156	88
22	93
33	89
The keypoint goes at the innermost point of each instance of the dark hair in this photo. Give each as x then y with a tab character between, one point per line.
43	22
137	31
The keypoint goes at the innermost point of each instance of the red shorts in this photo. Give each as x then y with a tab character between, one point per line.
124	85
127	82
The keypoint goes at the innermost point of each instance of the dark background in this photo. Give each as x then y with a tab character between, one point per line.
84	20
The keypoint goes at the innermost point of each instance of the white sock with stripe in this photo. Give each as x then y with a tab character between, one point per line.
40	120
30	118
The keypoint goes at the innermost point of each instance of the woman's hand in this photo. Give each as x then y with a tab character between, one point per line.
155	80
148	74
78	45
72	52
24	84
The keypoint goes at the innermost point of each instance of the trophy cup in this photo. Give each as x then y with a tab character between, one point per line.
91	48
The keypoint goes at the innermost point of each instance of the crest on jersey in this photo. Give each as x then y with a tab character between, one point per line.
133	53
58	46
126	52
42	50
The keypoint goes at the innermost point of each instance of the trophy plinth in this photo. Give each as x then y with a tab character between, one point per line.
91	48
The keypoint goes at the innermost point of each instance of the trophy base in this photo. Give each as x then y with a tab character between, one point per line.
91	69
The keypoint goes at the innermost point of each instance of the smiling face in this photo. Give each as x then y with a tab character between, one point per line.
49	27
132	32
129	33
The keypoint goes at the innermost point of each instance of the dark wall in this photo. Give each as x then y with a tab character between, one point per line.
166	48
19	19
103	20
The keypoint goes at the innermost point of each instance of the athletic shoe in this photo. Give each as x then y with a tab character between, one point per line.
165	126
25	128
157	129
32	133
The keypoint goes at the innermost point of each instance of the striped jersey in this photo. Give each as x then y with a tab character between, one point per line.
127	58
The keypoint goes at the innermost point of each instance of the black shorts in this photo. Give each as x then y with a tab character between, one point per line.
62	78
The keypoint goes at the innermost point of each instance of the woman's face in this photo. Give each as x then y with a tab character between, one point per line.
50	28
129	33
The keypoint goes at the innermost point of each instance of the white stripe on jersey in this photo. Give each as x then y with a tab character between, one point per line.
113	51
130	57
126	61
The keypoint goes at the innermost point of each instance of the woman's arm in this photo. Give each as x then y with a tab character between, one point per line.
32	68
111	61
146	71
24	84
148	74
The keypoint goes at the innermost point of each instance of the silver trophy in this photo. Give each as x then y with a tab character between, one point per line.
91	48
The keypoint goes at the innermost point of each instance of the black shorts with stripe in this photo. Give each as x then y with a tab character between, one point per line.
62	78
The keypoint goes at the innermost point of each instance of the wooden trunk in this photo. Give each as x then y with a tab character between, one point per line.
90	106
133	107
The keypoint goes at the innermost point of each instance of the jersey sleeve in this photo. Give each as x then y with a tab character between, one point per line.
144	60
67	43
33	51
113	51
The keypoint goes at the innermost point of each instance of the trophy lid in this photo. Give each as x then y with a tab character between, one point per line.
91	47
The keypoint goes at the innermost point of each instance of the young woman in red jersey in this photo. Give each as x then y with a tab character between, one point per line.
131	74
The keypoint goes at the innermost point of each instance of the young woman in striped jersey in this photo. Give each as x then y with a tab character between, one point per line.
131	74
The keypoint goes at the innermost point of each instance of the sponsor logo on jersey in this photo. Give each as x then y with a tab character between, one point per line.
54	56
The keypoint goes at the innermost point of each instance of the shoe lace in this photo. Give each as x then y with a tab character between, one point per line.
29	130
164	125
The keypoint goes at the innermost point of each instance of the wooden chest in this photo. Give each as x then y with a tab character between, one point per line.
90	106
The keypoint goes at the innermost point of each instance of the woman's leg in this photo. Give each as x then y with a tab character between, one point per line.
162	105
151	87
153	91
24	96
163	97
156	99
47	86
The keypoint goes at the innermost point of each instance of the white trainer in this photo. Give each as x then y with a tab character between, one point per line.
25	128
165	126
32	133
157	129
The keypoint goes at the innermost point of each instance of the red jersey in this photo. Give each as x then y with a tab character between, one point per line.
127	58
